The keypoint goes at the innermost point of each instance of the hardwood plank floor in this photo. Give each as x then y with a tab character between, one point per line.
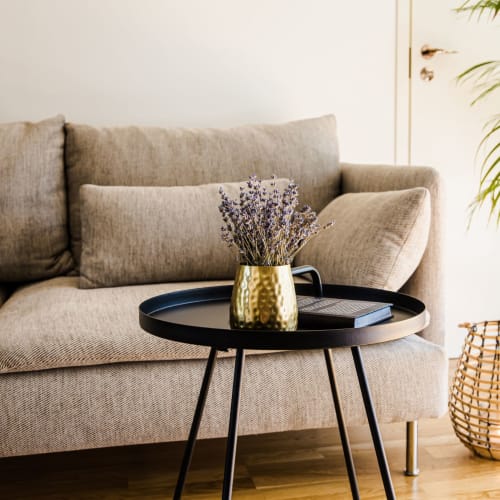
292	465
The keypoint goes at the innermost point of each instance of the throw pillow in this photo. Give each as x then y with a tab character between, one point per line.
378	239
34	236
133	235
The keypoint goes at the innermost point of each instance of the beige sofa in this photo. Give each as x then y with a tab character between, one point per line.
77	371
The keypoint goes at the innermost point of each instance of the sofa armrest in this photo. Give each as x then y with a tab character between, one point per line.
426	283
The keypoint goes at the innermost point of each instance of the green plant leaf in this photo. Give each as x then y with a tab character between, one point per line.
489	134
490	169
468	73
491	193
490	154
480	7
485	79
484	93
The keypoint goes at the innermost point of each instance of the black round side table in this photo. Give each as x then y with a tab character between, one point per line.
201	316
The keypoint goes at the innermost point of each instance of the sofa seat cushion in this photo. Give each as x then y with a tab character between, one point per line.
55	324
304	150
145	402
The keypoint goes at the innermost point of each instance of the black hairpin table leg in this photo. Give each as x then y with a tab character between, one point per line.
227	487
372	421
188	452
346	447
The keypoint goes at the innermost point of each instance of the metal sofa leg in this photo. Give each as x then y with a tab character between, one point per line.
412	449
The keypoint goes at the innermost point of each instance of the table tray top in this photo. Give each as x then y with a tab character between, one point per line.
201	316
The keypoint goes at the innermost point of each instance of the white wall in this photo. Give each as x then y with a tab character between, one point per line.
204	63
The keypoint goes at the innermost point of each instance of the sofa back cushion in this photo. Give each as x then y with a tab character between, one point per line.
33	219
134	235
305	151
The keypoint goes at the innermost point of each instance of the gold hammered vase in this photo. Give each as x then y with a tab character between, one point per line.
264	298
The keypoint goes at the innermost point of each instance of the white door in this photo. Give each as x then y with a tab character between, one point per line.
445	132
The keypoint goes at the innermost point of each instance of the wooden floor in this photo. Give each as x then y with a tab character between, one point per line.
292	465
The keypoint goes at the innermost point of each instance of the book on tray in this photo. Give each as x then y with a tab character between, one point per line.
341	313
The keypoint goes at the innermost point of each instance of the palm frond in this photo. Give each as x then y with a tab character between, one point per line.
489	170
488	7
490	154
489	195
485	92
485	79
489	192
495	128
471	72
489	183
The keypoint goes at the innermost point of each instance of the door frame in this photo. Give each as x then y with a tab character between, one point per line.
403	60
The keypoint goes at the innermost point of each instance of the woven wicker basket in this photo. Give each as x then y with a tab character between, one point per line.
475	394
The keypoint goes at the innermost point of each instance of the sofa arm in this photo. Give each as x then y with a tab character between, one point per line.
426	283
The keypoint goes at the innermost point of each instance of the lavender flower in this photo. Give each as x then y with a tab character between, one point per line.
264	225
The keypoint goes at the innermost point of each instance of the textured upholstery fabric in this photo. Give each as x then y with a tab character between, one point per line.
75	408
377	241
134	235
131	156
33	229
426	282
55	324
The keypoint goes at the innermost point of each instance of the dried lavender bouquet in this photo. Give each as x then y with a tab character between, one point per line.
264	224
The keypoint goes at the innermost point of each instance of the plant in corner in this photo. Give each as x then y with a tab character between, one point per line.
474	405
485	79
268	231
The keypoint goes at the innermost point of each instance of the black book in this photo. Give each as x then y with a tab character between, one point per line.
341	313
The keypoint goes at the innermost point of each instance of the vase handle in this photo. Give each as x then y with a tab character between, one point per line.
316	278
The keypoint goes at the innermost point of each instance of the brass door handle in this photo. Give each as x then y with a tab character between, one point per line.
428	52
